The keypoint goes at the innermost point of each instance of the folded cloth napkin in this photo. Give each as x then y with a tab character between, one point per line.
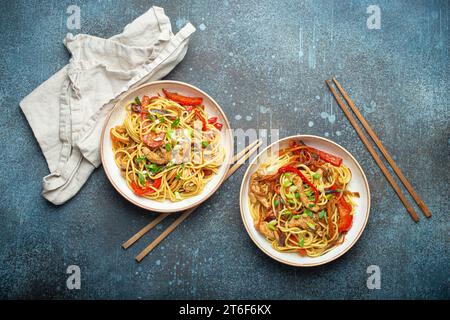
67	112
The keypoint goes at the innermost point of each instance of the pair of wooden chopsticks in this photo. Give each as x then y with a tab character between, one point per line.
380	146
238	160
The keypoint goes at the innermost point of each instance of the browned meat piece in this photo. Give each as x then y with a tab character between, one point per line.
305	223
264	229
160	156
303	198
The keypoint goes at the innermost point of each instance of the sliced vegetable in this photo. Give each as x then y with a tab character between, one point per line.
311	225
205	144
316	176
345	223
218	126
333	191
202	119
212	120
301	242
151	117
287	183
175	123
140	159
170	134
145	101
308	212
183	100
168	147
344	207
154	168
272	224
322	214
149	187
334	160
141	178
138	101
345	216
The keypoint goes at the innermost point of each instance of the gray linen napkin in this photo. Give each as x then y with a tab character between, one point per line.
67	112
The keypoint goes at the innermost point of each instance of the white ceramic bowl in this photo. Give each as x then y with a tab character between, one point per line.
117	116
357	184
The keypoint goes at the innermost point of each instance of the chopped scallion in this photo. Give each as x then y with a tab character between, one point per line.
138	101
205	144
272	224
316	176
140	159
141	178
176	122
322	214
308	212
301	242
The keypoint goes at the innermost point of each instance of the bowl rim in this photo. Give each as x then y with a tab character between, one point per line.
226	162
247	227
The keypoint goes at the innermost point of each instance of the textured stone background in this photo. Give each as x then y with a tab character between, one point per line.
265	63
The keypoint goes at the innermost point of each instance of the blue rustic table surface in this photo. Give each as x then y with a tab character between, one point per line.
265	62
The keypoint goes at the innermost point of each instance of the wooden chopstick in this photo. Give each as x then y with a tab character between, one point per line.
240	158
375	156
144	230
383	150
162	216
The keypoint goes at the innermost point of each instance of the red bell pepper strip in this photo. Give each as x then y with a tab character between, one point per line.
199	115
289	168
218	126
344	206
345	216
145	102
212	120
138	190
183	100
334	160
345	223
